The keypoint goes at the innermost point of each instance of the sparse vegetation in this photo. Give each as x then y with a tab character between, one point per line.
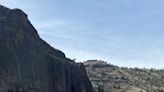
122	79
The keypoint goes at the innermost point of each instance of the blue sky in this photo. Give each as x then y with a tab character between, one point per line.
122	32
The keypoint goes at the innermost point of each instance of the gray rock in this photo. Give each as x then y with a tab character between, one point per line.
29	64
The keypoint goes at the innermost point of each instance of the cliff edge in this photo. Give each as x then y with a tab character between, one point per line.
29	64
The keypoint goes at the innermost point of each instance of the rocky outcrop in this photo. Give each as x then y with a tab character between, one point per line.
109	78
29	64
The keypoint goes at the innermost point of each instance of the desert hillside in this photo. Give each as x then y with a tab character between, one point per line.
109	78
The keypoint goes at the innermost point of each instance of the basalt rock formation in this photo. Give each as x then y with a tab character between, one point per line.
29	64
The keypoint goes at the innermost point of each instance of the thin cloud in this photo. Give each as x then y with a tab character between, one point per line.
126	33
52	24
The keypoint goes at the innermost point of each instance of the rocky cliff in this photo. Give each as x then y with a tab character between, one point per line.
29	64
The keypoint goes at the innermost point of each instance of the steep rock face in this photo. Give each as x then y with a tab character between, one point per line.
28	64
